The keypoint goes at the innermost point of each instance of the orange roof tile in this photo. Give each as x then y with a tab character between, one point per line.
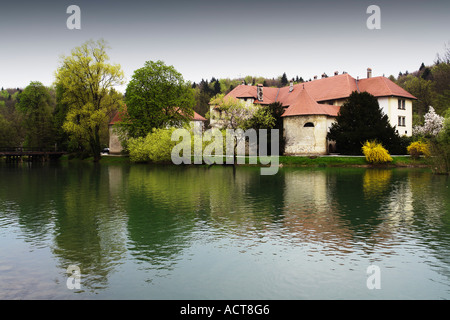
383	87
331	88
325	89
305	105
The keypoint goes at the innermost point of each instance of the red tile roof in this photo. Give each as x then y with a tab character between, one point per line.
306	98
196	117
304	104
117	118
383	87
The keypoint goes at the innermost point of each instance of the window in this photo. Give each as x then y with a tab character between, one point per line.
401	104
401	121
309	125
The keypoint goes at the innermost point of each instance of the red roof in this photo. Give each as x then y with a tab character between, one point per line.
197	117
305	105
306	98
117	118
383	87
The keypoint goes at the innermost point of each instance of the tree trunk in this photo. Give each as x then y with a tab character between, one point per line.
95	146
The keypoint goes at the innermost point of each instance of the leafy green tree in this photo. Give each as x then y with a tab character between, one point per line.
62	137
7	135
231	113
156	97
87	82
422	89
360	119
35	105
439	146
441	81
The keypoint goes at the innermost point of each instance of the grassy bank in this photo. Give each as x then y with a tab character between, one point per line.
298	161
348	161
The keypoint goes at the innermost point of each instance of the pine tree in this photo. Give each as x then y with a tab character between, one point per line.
361	119
284	80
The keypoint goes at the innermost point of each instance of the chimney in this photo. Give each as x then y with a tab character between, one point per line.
259	92
369	73
291	86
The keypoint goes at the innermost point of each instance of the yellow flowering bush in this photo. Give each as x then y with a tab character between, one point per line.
375	153
418	148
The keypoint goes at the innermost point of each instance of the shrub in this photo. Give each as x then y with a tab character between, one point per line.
138	150
155	147
418	148
375	153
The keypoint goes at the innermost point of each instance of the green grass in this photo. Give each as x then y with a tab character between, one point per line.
299	161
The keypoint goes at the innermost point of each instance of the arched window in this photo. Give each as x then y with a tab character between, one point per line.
309	125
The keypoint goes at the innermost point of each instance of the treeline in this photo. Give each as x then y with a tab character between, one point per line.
430	84
33	117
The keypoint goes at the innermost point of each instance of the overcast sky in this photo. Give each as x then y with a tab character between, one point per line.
225	39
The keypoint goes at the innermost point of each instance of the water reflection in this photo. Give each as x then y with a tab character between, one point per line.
111	218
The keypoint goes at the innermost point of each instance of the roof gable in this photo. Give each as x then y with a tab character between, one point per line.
304	104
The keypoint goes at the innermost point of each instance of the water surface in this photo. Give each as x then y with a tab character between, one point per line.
142	232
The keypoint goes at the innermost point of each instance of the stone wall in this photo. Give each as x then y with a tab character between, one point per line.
115	147
306	140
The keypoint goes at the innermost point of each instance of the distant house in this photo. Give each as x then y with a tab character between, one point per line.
115	146
311	107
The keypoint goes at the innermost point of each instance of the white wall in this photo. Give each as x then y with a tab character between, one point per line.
389	105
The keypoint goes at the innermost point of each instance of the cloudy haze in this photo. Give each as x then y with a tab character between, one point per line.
226	39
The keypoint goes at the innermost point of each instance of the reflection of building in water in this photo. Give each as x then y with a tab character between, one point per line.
399	209
115	175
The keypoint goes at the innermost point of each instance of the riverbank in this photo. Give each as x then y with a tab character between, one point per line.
299	161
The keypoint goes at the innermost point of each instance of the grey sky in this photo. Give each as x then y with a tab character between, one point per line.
226	39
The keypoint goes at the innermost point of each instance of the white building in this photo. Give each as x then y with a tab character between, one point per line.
311	107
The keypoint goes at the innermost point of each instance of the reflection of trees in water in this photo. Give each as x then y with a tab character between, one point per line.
27	196
169	208
431	203
89	230
98	214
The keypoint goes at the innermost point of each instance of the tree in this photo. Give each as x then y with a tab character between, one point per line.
234	113
360	119
441	81
420	88
440	149
432	126
217	87
6	133
284	80
35	105
156	97
87	81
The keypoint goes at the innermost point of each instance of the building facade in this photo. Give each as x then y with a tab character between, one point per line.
311	107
